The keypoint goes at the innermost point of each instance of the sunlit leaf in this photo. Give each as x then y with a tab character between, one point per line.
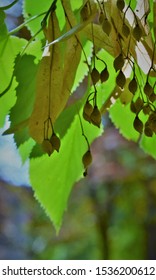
148	145
123	119
9	48
53	182
25	72
30	10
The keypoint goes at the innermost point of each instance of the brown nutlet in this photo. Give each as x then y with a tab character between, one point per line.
148	131
96	116
148	89
125	30
87	159
104	75
121	79
87	110
95	75
47	147
101	18
85	12
55	142
118	62
137	32
133	85
106	26
138	125
120	4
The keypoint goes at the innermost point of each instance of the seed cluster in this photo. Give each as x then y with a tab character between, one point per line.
144	103
51	145
142	100
141	91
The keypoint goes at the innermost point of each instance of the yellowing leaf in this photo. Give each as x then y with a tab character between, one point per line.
49	85
55	79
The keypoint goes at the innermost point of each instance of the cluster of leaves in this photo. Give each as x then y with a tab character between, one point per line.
110	42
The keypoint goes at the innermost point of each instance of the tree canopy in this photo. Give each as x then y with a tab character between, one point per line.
84	58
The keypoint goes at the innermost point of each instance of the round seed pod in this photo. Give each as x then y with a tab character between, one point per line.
132	107
152	122
121	79
147	123
87	159
85	12
47	147
146	109
104	75
87	110
138	125
147	131
101	18
96	117
148	89
133	85
137	32
86	117
125	30
153	125
55	142
95	75
120	4
152	117
118	62
106	26
152	97
139	104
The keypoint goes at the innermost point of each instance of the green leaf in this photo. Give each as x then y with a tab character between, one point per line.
32	8
148	144
3	28
52	177
123	119
25	72
6	102
66	117
25	149
9	48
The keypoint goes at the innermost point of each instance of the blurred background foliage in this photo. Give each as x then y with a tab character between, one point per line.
111	213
